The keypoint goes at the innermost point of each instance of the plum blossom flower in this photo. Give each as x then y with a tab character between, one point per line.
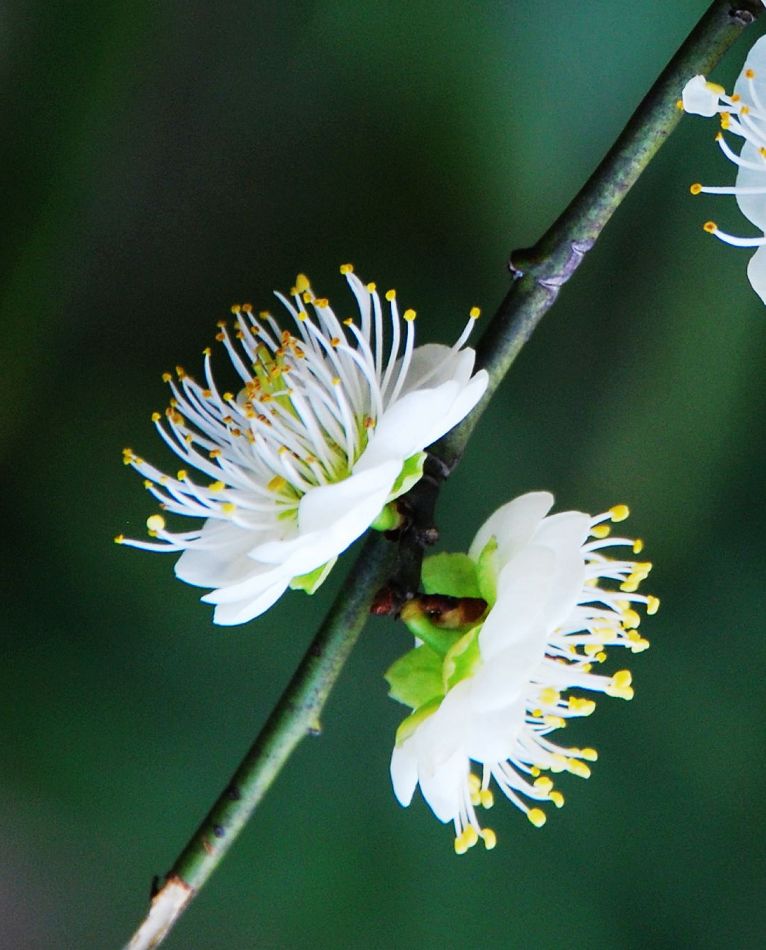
557	601
742	114
326	425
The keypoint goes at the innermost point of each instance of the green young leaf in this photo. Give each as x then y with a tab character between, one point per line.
462	659
412	472
451	574
411	723
312	581
388	519
416	678
486	571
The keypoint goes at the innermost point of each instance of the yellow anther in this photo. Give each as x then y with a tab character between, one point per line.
474	313
148	483
549	696
307	296
554	722
302	283
544	784
736	97
622	678
762	151
749	74
182	474
372	287
486	798
235	308
652	604
714	87
336	380
460	845
390	295
558	763
247	307
214	453
489	838
630	618
409	314
167	377
639	645
586	667
216	486
475	798
119	539
744	110
228	507
348	322
557	798
207	351
696	188
535	770
680	105
335	342
710	226
346	269
578	768
302	315
471	835
590	755
155	523
581	707
591	649
227	397
616	692
156	416
600	657
537	816
600	530
277	483
725	120
619	512
474	783
321	303
638	546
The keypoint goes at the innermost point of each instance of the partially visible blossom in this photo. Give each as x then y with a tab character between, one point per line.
325	427
559	598
742	114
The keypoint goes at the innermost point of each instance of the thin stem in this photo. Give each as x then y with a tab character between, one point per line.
539	273
295	716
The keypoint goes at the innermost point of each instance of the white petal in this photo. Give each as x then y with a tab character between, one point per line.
330	518
404	772
752	206
223	558
405	427
756	60
443	787
756	272
564	534
242	611
698	98
433	364
513	525
524	586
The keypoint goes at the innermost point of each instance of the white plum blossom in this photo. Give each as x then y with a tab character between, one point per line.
325	426
742	114
558	600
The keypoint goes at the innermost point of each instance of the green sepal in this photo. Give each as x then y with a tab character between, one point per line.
440	639
388	519
486	571
314	579
412	472
451	574
462	659
411	723
416	678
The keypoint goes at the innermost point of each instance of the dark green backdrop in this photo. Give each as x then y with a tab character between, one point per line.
164	159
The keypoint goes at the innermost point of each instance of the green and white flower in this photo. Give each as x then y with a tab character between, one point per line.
328	425
742	114
492	695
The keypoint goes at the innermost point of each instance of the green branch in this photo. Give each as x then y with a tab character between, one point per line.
539	273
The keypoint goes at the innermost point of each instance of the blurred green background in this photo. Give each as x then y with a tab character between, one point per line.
163	160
